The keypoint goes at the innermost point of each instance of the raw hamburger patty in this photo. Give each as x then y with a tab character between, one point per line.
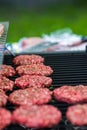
7	71
77	114
37	116
6	84
28	59
34	69
71	94
3	98
30	96
5	118
33	81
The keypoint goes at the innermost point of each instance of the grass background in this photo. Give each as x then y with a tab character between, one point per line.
35	22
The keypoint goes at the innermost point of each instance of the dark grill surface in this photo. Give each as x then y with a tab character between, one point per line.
69	69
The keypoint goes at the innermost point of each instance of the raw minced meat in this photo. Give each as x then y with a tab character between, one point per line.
6	84
71	94
28	59
7	70
37	116
34	69
5	118
33	81
77	114
30	96
3	98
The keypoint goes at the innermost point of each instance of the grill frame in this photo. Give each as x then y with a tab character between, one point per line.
69	69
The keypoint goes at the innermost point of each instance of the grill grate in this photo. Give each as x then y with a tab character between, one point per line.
69	69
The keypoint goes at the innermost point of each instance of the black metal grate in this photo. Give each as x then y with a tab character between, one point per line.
69	69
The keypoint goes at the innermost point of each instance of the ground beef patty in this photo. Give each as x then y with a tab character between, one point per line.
28	59
34	69
7	71
71	94
37	116
6	84
3	98
77	114
30	96
5	118
33	81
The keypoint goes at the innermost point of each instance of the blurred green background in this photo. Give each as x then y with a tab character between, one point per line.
32	18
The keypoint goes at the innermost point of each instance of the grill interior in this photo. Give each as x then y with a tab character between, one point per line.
69	69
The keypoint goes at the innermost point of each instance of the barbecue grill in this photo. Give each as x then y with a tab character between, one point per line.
69	69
